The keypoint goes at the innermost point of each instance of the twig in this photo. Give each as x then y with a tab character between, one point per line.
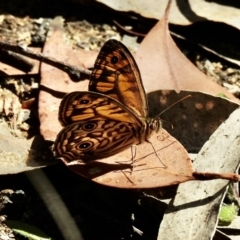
16	60
127	30
73	71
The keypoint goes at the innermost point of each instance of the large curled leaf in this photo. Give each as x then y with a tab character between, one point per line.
197	203
182	12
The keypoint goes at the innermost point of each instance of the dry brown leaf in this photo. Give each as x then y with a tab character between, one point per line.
172	70
210	20
193	120
55	83
148	170
182	12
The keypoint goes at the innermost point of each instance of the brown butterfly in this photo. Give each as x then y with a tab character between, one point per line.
109	118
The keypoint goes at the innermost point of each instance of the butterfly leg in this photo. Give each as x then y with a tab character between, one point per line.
134	153
134	160
164	166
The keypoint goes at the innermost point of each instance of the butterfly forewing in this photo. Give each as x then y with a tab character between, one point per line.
80	106
116	74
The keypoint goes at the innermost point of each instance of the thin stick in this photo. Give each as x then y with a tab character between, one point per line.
72	71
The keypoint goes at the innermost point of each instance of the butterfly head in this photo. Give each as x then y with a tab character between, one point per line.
154	124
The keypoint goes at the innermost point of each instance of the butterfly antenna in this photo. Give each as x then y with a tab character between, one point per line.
162	120
172	105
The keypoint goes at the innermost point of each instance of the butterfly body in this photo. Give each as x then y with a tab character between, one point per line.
109	118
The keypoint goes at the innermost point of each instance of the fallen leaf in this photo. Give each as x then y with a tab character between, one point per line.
193	120
199	22
55	83
26	230
172	167
172	70
182	12
197	203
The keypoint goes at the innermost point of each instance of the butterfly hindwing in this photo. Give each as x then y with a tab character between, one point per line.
94	139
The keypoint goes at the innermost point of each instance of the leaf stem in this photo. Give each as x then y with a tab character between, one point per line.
209	176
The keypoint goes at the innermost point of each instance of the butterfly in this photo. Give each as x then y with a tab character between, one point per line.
110	117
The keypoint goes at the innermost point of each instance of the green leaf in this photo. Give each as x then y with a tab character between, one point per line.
27	230
227	214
